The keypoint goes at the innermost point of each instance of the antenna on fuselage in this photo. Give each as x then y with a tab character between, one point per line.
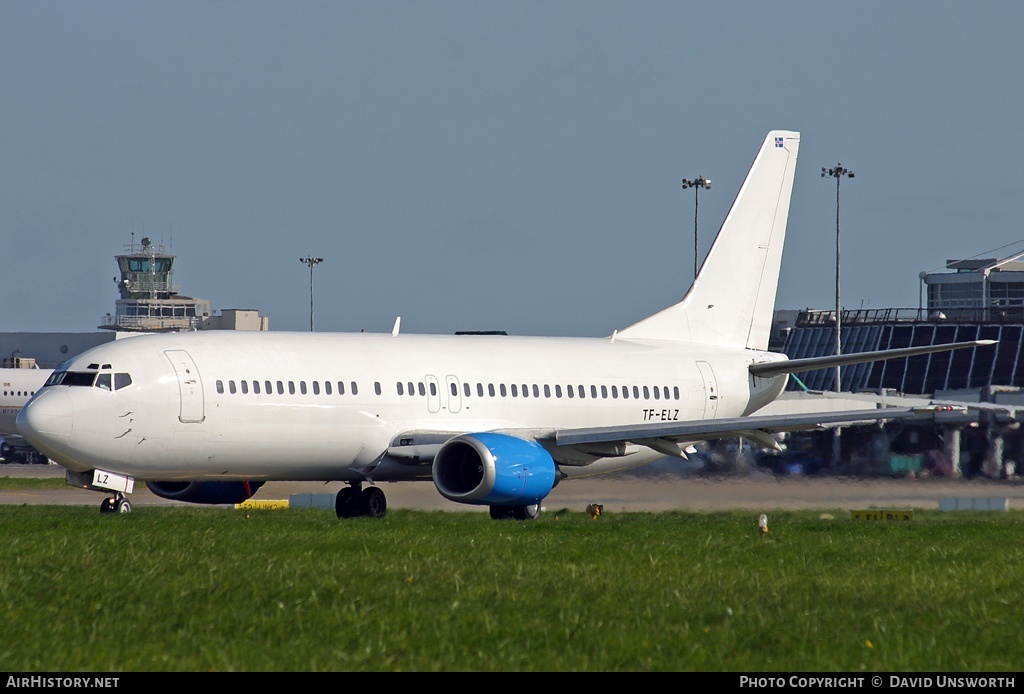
394	330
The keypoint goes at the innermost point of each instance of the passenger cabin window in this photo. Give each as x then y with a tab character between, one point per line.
220	386
256	387
376	387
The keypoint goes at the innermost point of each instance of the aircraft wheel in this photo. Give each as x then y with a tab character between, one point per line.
345	503
375	504
501	512
531	512
123	506
107	506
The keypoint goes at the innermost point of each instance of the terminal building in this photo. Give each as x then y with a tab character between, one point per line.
970	300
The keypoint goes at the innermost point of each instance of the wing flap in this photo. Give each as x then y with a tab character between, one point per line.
753	427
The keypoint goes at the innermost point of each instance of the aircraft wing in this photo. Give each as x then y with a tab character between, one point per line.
666	437
581	446
883	400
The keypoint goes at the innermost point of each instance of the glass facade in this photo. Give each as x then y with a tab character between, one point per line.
972	367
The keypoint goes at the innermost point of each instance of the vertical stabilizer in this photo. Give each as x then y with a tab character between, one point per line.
732	299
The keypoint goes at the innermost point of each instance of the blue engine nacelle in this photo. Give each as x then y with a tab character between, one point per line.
205	492
494	470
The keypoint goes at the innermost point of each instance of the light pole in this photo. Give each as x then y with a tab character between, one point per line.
837	172
311	262
696	184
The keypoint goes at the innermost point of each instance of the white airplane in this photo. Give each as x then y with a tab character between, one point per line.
16	387
493	420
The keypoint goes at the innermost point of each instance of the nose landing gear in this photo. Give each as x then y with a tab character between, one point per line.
116	504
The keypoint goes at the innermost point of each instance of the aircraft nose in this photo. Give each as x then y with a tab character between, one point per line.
47	420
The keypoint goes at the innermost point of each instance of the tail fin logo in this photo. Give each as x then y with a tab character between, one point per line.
778	142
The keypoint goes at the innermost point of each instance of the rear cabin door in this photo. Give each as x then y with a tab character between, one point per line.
710	389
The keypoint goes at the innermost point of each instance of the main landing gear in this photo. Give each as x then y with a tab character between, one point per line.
116	504
530	512
354	501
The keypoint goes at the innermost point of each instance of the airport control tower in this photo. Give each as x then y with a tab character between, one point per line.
149	298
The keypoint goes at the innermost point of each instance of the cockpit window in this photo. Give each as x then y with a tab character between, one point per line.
86	378
71	378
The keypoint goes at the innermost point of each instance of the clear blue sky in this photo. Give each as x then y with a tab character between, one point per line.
490	164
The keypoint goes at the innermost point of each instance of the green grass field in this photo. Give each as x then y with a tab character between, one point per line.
215	589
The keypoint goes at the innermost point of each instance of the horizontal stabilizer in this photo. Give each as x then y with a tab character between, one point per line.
789	366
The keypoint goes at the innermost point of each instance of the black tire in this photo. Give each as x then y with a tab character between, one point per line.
107	506
531	512
502	512
345	503
374	502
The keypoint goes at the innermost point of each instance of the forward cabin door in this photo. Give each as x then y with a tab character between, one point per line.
190	386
